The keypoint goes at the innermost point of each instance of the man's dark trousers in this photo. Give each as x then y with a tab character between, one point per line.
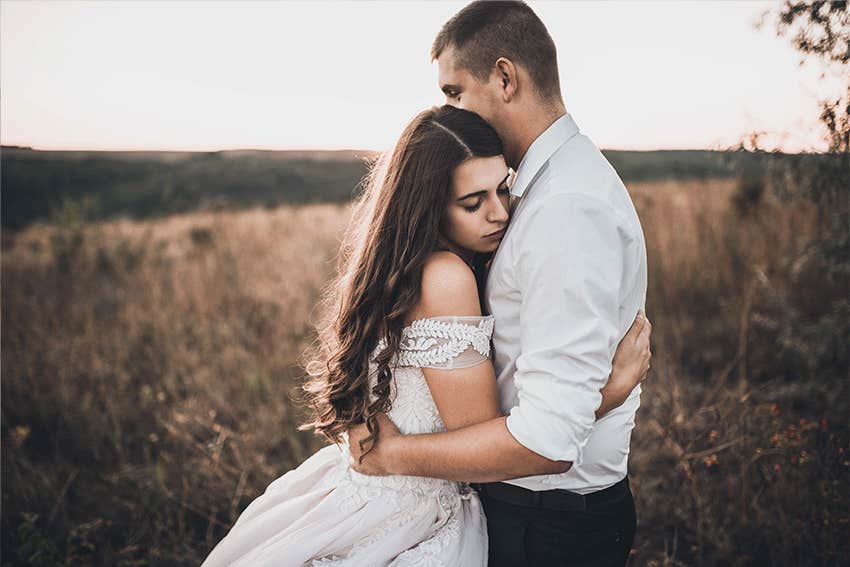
558	527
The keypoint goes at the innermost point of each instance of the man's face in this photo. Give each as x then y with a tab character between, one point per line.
463	90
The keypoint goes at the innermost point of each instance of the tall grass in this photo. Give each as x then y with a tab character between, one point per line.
147	370
739	455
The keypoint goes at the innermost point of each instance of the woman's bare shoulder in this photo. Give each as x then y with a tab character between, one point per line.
448	287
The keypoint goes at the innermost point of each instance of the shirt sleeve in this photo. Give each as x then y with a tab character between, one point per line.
569	262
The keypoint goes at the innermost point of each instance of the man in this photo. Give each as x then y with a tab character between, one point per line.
564	286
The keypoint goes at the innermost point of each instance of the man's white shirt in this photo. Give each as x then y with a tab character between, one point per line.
564	287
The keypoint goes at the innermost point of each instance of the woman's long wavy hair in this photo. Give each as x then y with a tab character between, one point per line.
395	226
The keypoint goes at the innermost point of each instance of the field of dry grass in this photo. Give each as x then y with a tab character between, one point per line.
147	369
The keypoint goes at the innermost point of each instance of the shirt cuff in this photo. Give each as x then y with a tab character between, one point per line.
534	438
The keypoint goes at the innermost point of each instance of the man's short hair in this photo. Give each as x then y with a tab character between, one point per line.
484	31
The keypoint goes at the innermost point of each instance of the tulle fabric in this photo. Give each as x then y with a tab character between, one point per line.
319	516
322	513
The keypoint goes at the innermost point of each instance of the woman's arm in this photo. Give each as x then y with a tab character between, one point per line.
465	396
490	452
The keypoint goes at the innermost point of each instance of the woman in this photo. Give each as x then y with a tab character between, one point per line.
435	208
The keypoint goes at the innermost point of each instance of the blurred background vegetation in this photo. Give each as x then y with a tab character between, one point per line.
154	307
148	184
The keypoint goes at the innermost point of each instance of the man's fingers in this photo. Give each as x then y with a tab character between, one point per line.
647	327
645	374
644	337
638	326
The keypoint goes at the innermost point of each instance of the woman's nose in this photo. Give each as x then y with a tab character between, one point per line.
498	213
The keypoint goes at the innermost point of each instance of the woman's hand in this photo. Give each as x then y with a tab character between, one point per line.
630	365
378	460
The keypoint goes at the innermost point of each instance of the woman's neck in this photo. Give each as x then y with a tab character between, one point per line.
465	254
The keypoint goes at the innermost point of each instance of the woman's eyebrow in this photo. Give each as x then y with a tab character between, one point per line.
483	191
475	194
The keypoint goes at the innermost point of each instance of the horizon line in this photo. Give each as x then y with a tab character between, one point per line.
351	150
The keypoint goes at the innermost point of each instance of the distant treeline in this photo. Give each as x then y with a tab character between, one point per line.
35	184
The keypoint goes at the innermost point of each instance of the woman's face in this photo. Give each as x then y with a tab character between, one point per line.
477	213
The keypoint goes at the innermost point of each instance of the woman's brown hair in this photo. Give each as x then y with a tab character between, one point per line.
395	226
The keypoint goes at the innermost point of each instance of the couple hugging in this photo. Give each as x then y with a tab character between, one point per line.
444	451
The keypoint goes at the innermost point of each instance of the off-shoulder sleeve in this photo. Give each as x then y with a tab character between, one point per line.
446	342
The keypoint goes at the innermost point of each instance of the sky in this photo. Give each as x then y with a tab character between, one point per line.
212	75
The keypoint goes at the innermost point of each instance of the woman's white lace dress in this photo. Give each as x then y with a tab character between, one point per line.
322	513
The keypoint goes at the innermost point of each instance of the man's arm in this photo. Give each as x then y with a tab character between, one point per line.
484	452
446	455
570	269
569	312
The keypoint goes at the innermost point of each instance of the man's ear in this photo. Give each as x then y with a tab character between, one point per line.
506	74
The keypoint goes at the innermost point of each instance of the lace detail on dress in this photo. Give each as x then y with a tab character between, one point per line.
444	342
457	341
435	342
394	520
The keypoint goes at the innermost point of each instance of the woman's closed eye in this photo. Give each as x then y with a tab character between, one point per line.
503	190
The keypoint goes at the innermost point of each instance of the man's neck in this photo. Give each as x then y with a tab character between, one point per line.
532	125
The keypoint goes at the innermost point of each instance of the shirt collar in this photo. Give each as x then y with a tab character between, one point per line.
541	149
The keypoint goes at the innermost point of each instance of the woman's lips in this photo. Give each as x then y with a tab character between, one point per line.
496	234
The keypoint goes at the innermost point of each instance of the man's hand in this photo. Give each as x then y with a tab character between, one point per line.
631	361
377	461
630	365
